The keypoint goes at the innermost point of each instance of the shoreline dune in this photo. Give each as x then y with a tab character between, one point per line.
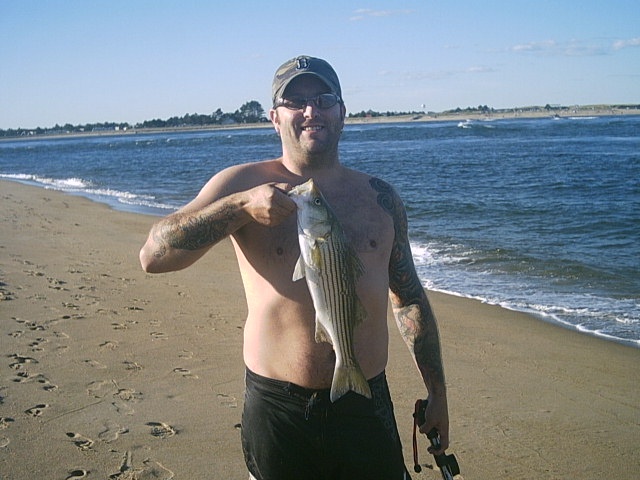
108	372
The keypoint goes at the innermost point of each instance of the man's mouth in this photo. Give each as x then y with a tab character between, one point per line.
312	128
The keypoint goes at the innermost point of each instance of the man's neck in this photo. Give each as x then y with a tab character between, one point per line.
312	165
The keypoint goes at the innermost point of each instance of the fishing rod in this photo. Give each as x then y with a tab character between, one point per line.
447	463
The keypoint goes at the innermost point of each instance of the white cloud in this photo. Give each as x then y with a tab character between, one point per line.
572	48
534	46
418	76
631	42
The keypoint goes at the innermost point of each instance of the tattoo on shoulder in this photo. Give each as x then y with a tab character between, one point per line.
386	194
402	277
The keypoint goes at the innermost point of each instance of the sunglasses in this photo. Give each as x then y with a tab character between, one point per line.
322	101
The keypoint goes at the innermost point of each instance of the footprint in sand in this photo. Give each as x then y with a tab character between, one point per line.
56	284
26	377
22	377
151	469
35	345
77	474
123	326
5	294
5	421
100	388
128	394
47	386
186	373
109	345
20	361
4	441
161	429
135	366
37	410
123	409
112	432
95	364
75	316
227	400
33	326
80	441
34	273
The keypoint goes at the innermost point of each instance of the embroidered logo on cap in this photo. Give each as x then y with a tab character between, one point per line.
303	63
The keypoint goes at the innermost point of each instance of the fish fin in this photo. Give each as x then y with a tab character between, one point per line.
315	256
298	271
354	264
349	378
321	333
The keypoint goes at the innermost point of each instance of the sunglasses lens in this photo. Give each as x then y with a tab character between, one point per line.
295	103
323	101
326	100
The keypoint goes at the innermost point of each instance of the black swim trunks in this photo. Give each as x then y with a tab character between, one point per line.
293	433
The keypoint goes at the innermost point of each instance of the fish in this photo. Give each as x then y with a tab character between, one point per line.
331	268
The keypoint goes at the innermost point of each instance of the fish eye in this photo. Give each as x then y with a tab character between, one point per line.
317	201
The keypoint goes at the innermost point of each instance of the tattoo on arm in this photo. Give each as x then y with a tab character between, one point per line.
411	308
193	230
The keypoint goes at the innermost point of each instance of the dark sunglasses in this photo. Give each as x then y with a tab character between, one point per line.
323	101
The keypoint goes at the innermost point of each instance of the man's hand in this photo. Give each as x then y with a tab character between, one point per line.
437	416
269	204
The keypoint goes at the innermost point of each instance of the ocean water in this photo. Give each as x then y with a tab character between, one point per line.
536	215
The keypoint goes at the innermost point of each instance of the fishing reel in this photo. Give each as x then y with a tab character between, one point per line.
447	463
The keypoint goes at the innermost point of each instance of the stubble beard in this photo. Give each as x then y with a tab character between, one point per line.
323	148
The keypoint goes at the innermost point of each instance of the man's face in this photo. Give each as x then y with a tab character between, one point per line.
310	129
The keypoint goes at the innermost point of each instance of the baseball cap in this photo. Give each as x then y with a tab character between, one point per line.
304	65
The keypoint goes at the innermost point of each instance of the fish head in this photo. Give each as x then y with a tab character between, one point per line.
315	217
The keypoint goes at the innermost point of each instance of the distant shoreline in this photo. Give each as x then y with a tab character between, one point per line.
524	112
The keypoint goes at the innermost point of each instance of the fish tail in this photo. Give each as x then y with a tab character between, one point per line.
349	378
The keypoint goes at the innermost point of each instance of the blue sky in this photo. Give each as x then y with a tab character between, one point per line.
90	61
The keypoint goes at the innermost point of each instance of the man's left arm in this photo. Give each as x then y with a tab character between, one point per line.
414	316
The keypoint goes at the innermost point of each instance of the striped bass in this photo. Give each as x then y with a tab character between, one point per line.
331	268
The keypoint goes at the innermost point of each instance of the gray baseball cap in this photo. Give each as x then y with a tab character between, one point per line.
304	65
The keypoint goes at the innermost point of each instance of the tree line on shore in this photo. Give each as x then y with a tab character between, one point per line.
249	113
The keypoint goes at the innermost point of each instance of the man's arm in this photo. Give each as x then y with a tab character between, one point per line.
178	240
414	316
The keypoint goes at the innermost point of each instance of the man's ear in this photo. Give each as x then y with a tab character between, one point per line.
275	121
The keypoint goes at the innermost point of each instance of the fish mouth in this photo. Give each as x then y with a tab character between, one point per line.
302	188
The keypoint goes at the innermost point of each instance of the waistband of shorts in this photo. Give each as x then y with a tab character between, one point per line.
300	391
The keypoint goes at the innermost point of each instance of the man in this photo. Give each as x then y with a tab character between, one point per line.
290	428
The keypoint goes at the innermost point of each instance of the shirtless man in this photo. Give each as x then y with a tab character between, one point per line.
290	429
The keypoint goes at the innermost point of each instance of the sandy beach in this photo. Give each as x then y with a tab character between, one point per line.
108	372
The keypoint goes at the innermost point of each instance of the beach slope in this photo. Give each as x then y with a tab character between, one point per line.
107	372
